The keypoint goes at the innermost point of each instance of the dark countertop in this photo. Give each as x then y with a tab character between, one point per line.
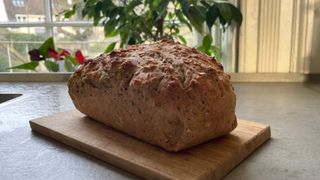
291	109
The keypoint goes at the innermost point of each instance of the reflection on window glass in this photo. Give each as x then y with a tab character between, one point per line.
15	44
90	40
22	10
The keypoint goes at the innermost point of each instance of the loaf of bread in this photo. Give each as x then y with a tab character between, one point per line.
164	93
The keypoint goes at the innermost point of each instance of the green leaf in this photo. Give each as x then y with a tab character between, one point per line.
110	47
68	13
72	60
223	22
124	35
205	4
27	66
162	6
206	42
106	6
114	12
203	11
236	14
51	66
48	44
193	2
196	17
132	40
201	48
225	11
155	15
68	65
96	16
185	7
84	12
109	28
170	15
182	39
91	2
89	9
212	15
132	5
215	52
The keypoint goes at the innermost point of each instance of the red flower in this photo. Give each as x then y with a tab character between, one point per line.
53	53
65	52
79	57
58	55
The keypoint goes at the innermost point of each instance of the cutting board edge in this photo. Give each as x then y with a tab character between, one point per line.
112	160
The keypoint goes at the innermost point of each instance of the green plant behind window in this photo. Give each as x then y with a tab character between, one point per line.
137	21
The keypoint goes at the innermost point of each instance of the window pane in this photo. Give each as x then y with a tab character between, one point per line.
223	41
187	34
59	6
90	40
15	44
22	11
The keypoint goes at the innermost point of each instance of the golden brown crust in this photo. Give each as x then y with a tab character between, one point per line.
164	93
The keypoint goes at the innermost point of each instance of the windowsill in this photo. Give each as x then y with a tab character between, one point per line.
34	77
235	77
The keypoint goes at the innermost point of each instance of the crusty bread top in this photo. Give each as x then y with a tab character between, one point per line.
163	64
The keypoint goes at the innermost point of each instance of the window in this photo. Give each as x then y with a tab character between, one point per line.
22	29
26	28
18	3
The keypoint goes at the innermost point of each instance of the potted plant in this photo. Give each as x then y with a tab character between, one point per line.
137	21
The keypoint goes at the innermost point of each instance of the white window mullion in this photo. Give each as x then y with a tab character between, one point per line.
48	18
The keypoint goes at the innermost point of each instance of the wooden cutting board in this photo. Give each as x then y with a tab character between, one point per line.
212	160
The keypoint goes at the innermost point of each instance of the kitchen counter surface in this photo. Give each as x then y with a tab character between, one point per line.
291	109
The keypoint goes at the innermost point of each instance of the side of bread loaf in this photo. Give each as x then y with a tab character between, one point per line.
164	93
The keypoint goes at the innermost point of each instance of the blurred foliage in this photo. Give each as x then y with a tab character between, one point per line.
18	36
17	50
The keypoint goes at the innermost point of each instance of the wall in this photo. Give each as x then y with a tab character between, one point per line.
315	50
280	36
